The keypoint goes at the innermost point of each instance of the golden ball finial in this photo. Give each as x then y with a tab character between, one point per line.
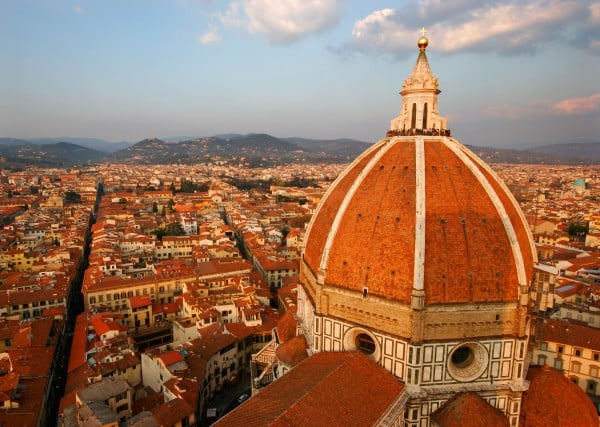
423	41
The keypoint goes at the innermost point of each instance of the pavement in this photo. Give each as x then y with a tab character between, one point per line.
227	399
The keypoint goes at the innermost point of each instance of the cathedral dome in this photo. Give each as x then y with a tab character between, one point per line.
421	212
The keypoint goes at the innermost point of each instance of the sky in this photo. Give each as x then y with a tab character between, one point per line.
513	73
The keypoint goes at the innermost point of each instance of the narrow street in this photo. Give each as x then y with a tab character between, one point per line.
227	400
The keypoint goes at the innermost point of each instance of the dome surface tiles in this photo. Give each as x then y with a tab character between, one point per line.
477	247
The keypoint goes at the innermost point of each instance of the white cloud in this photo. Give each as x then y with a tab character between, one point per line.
79	10
595	13
574	106
566	107
282	21
508	26
210	37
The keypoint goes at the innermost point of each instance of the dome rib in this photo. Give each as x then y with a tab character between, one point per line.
518	213
508	226
420	214
348	198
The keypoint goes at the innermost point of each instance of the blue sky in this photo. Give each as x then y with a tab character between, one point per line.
512	73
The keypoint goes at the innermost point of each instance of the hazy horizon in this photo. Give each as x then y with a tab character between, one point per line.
513	74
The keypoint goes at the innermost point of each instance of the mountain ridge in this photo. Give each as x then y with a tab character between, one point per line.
257	149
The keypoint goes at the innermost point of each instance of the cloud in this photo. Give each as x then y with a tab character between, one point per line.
502	26
281	21
575	106
544	107
209	37
79	10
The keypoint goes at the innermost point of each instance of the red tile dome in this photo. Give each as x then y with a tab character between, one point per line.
554	400
421	212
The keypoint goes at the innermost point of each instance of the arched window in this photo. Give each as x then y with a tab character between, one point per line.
413	119
425	116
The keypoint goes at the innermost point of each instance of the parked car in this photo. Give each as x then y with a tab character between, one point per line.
243	397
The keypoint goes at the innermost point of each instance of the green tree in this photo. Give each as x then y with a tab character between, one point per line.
72	197
170	205
171	229
577	229
188	187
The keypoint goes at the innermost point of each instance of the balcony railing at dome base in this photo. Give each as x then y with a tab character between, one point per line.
411	132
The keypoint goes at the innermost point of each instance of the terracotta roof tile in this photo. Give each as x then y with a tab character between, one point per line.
286	328
554	400
468	410
564	332
373	244
171	357
341	388
292	351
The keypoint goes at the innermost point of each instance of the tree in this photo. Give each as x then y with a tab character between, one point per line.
171	229
72	197
188	187
577	229
170	205
174	229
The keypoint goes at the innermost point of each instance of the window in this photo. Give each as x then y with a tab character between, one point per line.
560	349
558	363
365	343
541	360
462	357
575	367
578	352
596	356
544	346
593	371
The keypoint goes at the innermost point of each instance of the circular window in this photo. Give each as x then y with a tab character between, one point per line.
467	361
463	357
360	339
364	343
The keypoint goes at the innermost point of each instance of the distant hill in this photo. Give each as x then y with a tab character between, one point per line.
255	150
337	146
17	154
583	151
92	143
557	154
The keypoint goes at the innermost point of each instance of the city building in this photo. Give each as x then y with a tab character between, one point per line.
419	259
